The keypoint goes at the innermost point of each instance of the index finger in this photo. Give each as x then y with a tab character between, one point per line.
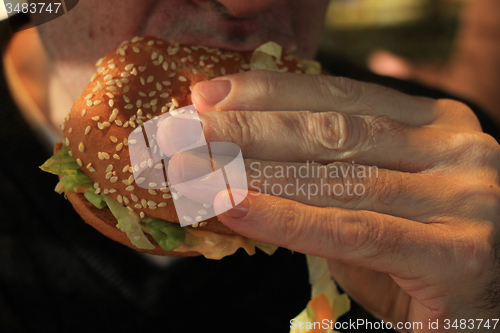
271	91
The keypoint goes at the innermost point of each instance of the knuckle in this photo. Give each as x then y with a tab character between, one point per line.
293	224
346	90
453	109
238	128
347	184
472	145
388	188
262	83
330	131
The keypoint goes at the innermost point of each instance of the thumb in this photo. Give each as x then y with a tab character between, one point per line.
362	238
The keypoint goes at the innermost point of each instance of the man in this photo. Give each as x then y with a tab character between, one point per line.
417	246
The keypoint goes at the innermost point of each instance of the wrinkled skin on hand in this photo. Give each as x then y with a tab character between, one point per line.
421	243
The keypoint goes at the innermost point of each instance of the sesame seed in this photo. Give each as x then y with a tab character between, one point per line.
99	62
134	197
109	175
187	218
99	125
142	215
112	88
144	203
100	70
106	124
194	225
118	122
119	199
202	224
198	218
126	200
131	179
89	102
166	196
151	43
165	66
70	153
106	191
140	180
210	66
116	156
142	68
136	49
91	169
129	67
162	204
111	103
112	66
130	188
128	106
151	203
143	82
112	117
108	77
84	111
97	191
207	205
66	141
152	192
173	65
202	212
89	96
138	206
138	103
165	189
79	161
154	55
70	130
100	84
132	142
152	184
81	147
174	101
134	71
175	196
150	79
111	82
114	179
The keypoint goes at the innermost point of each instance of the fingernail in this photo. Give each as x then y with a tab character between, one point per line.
183	132
193	166
237	212
214	91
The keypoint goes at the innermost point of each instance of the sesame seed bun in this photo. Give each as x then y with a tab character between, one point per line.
136	81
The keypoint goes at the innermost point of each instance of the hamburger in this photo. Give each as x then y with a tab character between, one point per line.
135	82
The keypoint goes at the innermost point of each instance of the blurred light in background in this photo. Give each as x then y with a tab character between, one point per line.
418	30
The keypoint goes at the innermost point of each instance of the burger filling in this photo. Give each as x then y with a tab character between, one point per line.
169	236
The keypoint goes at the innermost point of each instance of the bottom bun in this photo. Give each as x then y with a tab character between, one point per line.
104	222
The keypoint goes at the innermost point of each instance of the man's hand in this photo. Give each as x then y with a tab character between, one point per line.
421	242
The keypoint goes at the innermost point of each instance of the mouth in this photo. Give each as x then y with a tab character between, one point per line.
214	28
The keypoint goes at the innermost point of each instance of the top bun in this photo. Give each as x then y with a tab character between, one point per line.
137	81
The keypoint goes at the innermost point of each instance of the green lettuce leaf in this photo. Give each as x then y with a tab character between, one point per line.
128	222
60	163
167	234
